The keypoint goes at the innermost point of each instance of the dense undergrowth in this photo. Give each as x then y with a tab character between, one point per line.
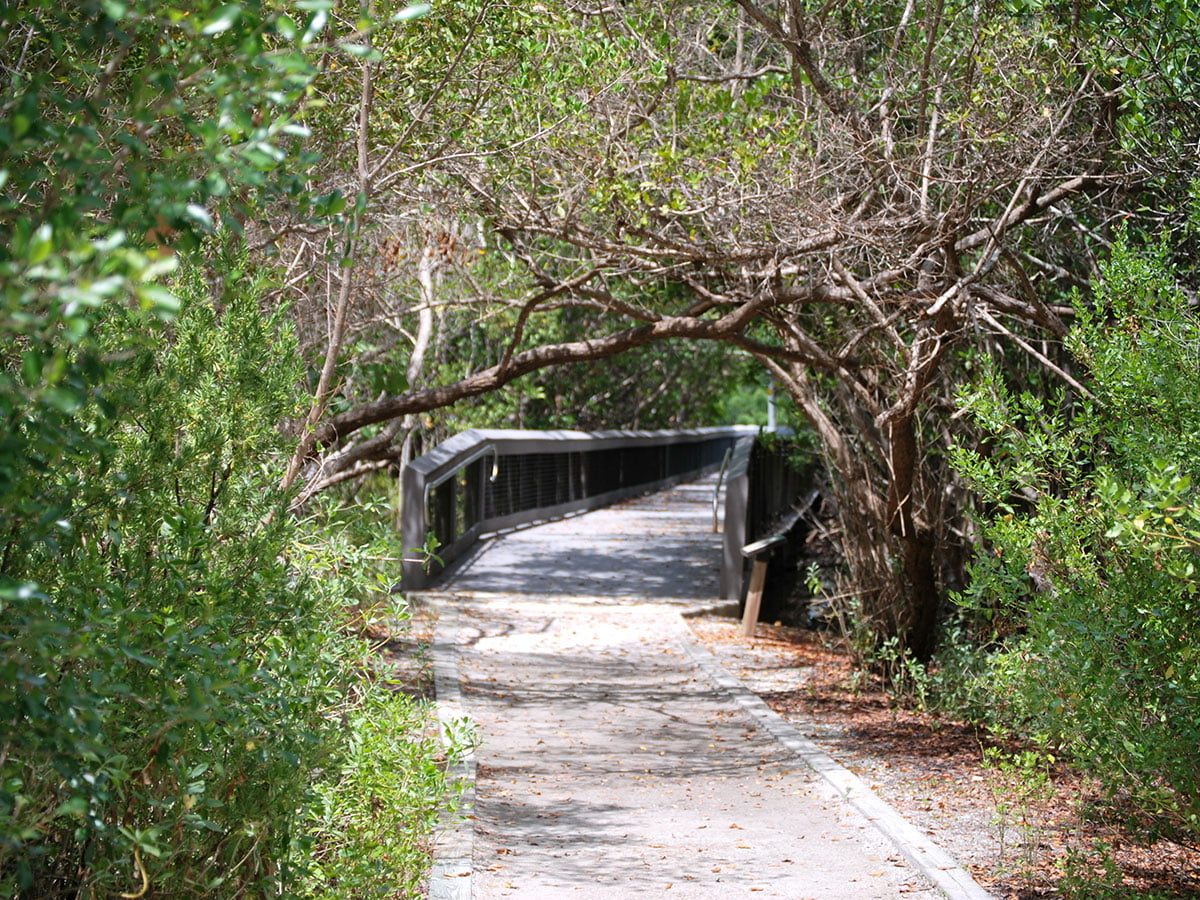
189	704
188	700
1078	630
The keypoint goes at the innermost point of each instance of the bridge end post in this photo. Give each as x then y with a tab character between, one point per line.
758	578
413	527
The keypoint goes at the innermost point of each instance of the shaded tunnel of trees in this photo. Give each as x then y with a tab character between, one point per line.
258	256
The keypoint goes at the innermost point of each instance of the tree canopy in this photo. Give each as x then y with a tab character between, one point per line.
863	199
254	253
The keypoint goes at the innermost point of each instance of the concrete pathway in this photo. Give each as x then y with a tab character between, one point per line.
610	764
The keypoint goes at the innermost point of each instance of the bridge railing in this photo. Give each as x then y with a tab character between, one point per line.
483	481
765	481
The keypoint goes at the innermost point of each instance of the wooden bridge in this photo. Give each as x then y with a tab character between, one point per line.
482	482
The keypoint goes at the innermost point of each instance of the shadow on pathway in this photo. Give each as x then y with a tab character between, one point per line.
609	765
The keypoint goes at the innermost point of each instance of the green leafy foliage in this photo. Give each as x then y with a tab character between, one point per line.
160	627
183	687
372	820
178	696
682	385
367	822
1090	576
127	130
1020	783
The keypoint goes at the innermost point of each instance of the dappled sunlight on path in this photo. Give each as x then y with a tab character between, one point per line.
610	766
661	546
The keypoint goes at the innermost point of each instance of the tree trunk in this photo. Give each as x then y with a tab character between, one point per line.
919	598
890	550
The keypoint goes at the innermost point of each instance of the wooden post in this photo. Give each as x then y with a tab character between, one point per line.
759	551
758	577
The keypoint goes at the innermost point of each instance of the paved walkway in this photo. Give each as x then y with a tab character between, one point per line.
610	764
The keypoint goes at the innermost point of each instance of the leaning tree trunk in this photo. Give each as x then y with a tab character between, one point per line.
889	549
883	487
914	542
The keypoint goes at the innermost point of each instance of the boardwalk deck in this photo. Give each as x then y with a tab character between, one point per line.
610	765
660	548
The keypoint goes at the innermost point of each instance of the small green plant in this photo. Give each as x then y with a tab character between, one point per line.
813	580
1094	875
426	554
1020	784
1080	879
907	679
960	677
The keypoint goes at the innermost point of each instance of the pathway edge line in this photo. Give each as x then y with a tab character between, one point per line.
946	873
452	873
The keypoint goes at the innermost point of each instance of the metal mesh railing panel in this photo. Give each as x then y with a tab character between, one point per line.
779	477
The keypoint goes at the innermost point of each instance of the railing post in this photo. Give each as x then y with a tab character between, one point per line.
413	526
737	497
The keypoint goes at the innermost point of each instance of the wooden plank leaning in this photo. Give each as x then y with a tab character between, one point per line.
760	552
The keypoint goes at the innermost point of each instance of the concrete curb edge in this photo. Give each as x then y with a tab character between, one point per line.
946	874
453	863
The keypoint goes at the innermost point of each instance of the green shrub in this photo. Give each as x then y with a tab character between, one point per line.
181	682
180	697
1091	561
372	821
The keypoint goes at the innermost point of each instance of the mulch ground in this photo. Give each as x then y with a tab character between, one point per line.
1018	843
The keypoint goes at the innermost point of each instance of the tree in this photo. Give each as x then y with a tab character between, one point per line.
178	703
845	193
427	264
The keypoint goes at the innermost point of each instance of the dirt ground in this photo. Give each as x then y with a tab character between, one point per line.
932	770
